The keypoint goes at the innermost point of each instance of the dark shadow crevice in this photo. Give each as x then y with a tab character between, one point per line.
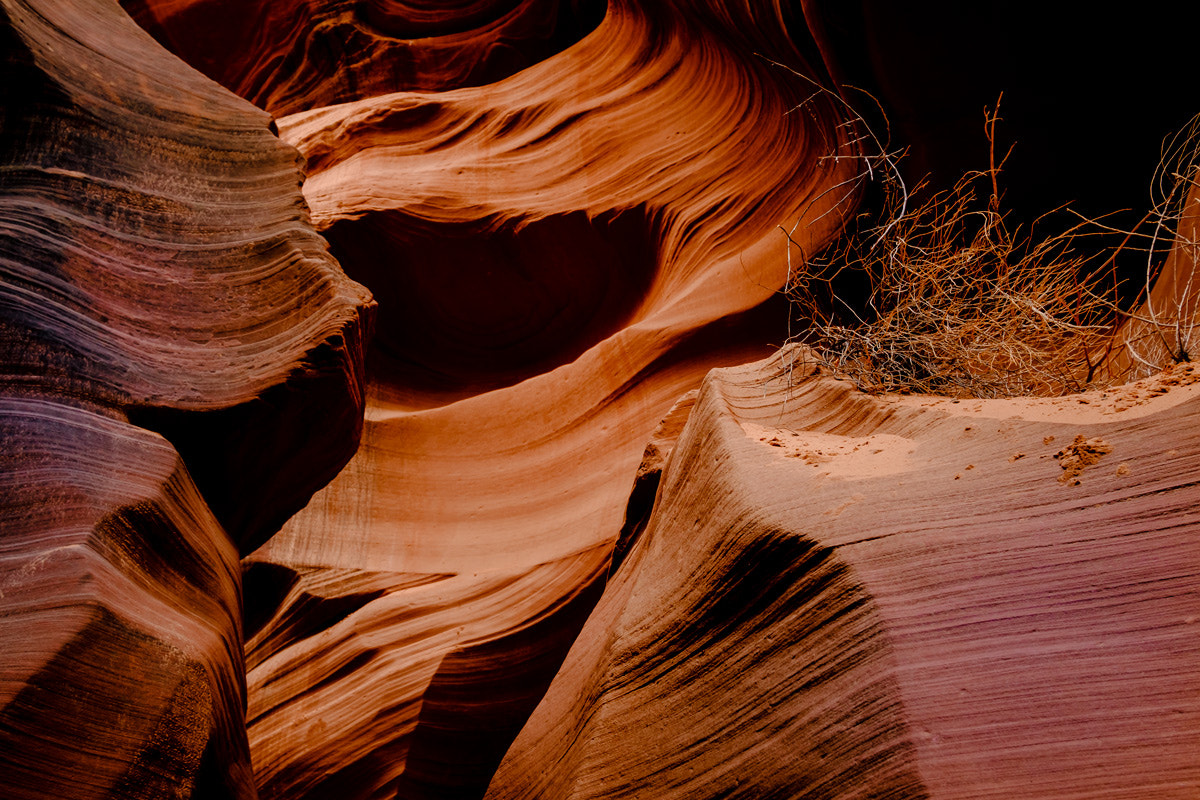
467	308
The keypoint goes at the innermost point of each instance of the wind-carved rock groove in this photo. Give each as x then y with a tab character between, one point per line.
465	309
1011	633
570	213
554	267
157	270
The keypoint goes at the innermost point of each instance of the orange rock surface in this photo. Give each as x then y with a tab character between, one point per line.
846	596
547	257
328	362
157	273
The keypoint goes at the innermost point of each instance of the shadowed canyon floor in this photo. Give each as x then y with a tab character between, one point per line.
328	362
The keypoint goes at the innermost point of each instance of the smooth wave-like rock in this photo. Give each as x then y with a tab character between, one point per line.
157	273
570	212
370	684
121	673
297	55
554	268
158	259
847	596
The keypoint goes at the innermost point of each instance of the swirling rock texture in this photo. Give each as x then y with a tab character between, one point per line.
568	212
554	267
157	276
844	596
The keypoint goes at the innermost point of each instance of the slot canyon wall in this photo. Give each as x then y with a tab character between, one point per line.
352	444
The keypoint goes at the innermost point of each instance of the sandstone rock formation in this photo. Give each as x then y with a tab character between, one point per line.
553	269
157	273
160	263
297	55
121	673
569	212
844	596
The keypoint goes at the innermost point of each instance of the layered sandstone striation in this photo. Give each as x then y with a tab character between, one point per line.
847	596
121	674
557	255
568	212
157	273
297	55
158	260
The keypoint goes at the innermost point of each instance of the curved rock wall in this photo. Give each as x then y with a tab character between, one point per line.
844	596
559	251
569	212
158	260
554	255
298	55
157	273
122	672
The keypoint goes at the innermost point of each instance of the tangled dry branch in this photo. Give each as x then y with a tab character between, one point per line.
958	304
1165	328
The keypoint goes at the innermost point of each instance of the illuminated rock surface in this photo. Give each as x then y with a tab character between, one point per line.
557	255
156	271
544	254
843	596
568	212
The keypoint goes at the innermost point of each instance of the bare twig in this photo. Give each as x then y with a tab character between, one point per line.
957	303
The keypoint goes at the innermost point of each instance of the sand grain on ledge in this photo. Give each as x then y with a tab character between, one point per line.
837	456
902	634
1175	384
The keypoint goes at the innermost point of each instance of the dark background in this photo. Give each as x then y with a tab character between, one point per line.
1089	94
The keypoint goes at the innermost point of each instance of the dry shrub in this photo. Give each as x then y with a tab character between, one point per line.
1165	327
957	303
